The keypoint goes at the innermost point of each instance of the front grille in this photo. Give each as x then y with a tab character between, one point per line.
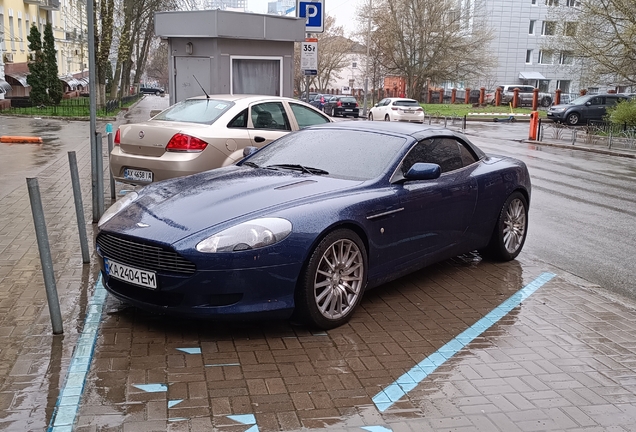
143	256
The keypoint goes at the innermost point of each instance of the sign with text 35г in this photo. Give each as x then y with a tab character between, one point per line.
309	56
314	13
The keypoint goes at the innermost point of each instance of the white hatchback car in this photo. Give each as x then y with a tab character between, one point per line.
203	133
397	109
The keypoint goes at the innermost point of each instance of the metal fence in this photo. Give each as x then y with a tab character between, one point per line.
76	107
594	133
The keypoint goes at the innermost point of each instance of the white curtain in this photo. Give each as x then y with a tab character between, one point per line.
256	77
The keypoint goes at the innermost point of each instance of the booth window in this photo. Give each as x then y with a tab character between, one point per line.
260	76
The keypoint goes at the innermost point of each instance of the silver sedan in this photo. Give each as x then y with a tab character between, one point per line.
203	133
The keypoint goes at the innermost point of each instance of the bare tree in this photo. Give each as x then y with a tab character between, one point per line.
441	40
600	35
333	50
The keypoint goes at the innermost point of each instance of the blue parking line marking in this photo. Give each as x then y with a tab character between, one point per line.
222	364
172	403
68	400
376	429
190	350
407	382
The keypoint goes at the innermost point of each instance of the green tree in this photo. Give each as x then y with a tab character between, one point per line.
53	83
37	69
623	113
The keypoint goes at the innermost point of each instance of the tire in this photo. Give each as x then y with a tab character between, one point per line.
546	102
511	229
370	117
572	119
333	281
333	112
157	93
387	118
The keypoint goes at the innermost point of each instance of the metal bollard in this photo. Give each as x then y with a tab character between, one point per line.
109	131
45	255
464	123
100	174
79	207
574	136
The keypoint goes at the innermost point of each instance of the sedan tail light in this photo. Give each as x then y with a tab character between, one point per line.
185	143
117	139
394	108
420	109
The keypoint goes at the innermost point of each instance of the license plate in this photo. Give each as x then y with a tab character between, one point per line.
408	111
131	275
139	175
348	110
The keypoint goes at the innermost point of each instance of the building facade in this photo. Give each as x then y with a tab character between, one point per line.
233	5
281	7
68	18
521	30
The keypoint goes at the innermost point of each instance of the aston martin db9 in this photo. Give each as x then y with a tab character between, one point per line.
305	225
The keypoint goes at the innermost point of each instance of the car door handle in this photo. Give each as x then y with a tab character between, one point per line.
259	139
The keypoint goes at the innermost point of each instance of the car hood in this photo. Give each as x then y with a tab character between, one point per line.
561	106
171	210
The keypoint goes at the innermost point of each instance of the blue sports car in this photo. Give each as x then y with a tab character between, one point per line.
309	222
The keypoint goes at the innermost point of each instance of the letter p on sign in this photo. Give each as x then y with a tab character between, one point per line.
312	11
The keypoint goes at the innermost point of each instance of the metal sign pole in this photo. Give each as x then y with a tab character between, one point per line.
92	78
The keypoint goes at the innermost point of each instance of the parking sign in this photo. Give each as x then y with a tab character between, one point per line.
313	12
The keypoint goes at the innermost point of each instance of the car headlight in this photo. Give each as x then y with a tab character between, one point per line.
253	234
558	109
117	207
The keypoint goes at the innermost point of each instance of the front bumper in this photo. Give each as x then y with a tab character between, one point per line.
556	115
236	292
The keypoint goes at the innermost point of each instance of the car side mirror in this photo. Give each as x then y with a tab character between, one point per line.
588	103
249	150
423	171
376	105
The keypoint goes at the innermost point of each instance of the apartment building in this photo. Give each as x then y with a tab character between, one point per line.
231	5
522	29
68	18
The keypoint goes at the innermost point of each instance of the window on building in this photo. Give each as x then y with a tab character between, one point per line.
11	33
569	28
593	90
2	48
534	2
531	27
529	56
552	2
566	58
20	34
544	86
545	57
548	28
564	85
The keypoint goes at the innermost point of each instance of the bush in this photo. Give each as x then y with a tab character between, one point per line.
623	113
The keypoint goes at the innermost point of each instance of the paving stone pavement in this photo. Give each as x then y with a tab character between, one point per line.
564	360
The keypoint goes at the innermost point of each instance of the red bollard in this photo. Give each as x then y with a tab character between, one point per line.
515	98
498	96
453	95
467	96
534	125
482	95
441	96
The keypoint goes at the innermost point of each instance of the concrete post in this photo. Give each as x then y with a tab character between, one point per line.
515	98
453	95
535	99
482	95
557	97
467	96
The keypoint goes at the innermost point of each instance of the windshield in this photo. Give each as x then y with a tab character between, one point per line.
358	155
406	102
580	100
204	111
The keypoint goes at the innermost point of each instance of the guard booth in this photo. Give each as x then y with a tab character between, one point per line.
229	52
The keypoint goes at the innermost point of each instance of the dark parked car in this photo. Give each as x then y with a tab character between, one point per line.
588	107
309	222
342	106
152	90
319	101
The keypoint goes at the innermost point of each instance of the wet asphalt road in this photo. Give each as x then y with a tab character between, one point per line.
582	211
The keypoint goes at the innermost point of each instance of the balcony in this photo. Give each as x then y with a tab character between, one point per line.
35	2
53	5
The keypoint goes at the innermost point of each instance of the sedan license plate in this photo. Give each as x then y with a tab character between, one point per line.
131	275
139	175
348	110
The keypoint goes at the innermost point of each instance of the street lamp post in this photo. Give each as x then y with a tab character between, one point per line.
366	73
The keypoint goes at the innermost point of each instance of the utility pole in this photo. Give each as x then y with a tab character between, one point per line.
366	73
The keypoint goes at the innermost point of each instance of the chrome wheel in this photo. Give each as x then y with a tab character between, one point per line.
510	231
338	279
514	228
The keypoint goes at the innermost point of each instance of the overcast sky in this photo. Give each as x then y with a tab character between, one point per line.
343	10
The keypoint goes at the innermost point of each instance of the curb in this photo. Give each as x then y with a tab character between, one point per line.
587	149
